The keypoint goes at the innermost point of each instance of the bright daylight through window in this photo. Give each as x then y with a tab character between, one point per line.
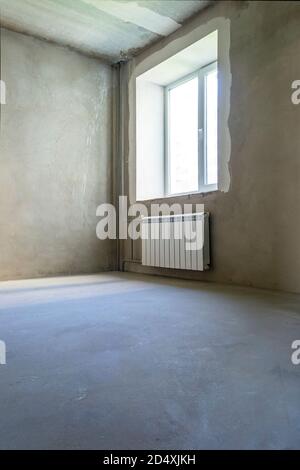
191	129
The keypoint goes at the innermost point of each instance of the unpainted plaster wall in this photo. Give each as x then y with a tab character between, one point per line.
55	159
255	225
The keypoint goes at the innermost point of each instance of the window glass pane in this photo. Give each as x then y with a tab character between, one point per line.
211	82
183	137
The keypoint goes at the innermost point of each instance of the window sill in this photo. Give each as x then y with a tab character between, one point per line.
179	196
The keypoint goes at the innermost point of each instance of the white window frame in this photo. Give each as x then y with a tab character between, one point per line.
203	187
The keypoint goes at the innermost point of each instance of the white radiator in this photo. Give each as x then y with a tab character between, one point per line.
178	241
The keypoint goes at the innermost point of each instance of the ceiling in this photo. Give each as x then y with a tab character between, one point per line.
110	29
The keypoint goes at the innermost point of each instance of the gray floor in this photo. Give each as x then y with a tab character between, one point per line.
123	362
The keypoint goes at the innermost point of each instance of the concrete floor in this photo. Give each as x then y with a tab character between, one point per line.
118	361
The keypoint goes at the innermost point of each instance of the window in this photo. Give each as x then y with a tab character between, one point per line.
191	157
182	140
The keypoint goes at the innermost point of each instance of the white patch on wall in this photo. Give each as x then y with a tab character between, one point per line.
149	140
2	92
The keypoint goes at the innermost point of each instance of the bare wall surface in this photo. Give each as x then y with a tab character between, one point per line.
255	227
55	159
